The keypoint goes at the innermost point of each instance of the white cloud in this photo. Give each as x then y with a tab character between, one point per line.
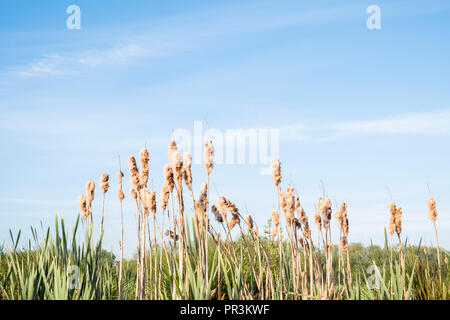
426	123
431	123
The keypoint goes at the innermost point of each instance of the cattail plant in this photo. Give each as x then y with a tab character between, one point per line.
432	215
179	266
104	187
121	197
276	177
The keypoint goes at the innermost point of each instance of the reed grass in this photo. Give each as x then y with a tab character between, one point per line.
195	257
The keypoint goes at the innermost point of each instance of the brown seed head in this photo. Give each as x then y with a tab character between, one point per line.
208	156
276	171
90	190
164	197
104	183
168	177
217	215
187	169
274	232
222	204
83	206
432	212
275	218
133	193
248	221
144	157
398	220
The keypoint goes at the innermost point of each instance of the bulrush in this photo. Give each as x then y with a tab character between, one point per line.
289	206
133	193
153	202
164	197
432	212
104	183
203	199
343	243
275	222
249	221
432	215
135	181
275	218
176	162
276	171
398	220
146	200
104	186
341	218
217	214
168	177
318	221
208	156
90	190
187	160
274	232
392	211
303	218
232	222
324	209
326	212
233	210
144	157
120	194
222	204
83	206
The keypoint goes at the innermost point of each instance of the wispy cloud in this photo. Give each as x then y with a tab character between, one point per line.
425	123
48	64
69	64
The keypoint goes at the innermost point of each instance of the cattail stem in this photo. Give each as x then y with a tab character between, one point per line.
121	251
438	251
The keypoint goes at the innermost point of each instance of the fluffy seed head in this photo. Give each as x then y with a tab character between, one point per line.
120	194
398	220
233	221
318	220
144	156
432	212
208	156
83	206
90	190
274	232
216	213
343	244
168	177
276	171
275	218
187	159
248	221
135	182
104	183
392	211
164	197
222	204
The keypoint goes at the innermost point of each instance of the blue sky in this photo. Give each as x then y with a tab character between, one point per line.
365	111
